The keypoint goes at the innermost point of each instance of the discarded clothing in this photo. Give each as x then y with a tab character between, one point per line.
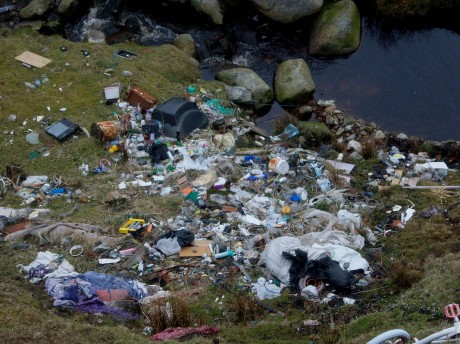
84	292
179	332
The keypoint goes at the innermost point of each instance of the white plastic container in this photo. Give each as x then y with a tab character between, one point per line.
112	92
278	165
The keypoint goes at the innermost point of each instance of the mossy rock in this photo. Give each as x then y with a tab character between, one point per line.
314	133
293	82
336	30
244	77
35	9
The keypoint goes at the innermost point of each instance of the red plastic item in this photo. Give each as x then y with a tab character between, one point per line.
179	332
452	311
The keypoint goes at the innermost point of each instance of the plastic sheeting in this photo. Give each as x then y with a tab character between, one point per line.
332	237
273	258
59	232
279	265
348	258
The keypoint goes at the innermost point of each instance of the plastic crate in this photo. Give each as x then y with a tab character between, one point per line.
125	228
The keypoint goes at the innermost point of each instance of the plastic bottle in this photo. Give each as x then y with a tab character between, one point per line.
229	253
148	116
191	89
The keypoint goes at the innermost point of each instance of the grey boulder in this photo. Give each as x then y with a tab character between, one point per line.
293	82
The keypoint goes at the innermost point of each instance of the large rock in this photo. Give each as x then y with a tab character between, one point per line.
186	43
293	82
67	7
211	8
238	94
35	9
336	30
262	94
314	134
287	11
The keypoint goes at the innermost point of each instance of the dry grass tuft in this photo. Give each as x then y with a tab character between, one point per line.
171	312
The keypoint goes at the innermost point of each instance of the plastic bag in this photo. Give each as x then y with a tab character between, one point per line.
347	257
330	271
168	247
273	257
265	290
332	237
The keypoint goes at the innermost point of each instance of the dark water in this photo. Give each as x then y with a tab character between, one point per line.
404	81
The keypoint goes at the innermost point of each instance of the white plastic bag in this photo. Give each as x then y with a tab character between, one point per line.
273	258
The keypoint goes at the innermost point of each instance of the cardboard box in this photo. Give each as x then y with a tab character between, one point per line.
198	248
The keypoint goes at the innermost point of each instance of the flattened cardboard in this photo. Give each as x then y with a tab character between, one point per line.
229	209
112	294
397	177
199	248
33	59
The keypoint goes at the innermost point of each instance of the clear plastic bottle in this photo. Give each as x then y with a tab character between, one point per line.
148	116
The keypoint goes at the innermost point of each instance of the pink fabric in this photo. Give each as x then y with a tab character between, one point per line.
179	332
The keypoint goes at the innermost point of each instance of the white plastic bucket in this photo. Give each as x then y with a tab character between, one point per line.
278	165
112	92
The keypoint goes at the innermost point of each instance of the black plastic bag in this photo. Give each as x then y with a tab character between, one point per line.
330	271
184	237
158	152
298	267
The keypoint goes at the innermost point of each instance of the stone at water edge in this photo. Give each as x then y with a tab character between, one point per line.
287	11
262	94
336	30
293	82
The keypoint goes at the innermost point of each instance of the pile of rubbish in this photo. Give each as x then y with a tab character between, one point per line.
264	212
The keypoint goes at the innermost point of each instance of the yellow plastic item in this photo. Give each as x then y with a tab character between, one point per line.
286	209
125	228
113	149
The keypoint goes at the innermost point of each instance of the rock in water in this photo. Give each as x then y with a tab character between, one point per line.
293	82
244	77
336	30
287	11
